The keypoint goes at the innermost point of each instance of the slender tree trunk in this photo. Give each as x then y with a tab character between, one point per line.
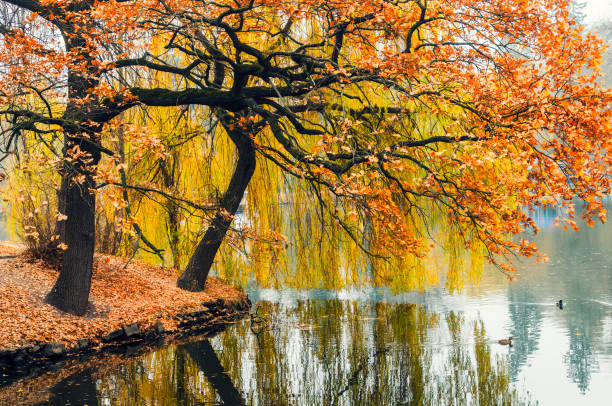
196	272
62	193
174	233
168	171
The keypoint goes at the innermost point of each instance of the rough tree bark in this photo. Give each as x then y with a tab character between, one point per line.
194	276
76	196
71	290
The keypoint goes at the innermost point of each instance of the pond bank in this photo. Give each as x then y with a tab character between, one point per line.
60	378
129	303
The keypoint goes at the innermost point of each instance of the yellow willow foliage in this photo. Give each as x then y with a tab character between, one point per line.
180	152
195	170
318	253
29	194
177	152
326	257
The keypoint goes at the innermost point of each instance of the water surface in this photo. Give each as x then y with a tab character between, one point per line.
370	347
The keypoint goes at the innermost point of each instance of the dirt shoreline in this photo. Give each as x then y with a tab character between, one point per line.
134	304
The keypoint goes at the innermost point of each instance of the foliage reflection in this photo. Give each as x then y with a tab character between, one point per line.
324	353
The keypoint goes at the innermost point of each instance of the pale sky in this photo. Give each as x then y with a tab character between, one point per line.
597	10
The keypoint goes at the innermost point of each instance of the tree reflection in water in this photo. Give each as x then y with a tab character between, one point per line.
580	274
324	353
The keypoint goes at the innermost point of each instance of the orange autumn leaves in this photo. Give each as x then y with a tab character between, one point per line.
139	293
460	112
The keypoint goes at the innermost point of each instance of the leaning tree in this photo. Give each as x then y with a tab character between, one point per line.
475	110
388	110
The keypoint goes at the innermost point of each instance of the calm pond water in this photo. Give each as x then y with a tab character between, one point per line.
370	347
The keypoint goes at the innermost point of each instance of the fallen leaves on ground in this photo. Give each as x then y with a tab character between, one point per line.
139	293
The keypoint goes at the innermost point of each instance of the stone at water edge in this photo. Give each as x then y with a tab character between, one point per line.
159	327
54	350
82	344
210	304
113	335
131	330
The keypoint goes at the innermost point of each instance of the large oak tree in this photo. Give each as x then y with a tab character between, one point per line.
388	109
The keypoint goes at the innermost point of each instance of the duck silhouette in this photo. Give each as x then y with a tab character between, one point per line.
560	304
507	341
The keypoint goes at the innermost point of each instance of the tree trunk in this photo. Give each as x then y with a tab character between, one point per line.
62	193
167	168
196	272
71	290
